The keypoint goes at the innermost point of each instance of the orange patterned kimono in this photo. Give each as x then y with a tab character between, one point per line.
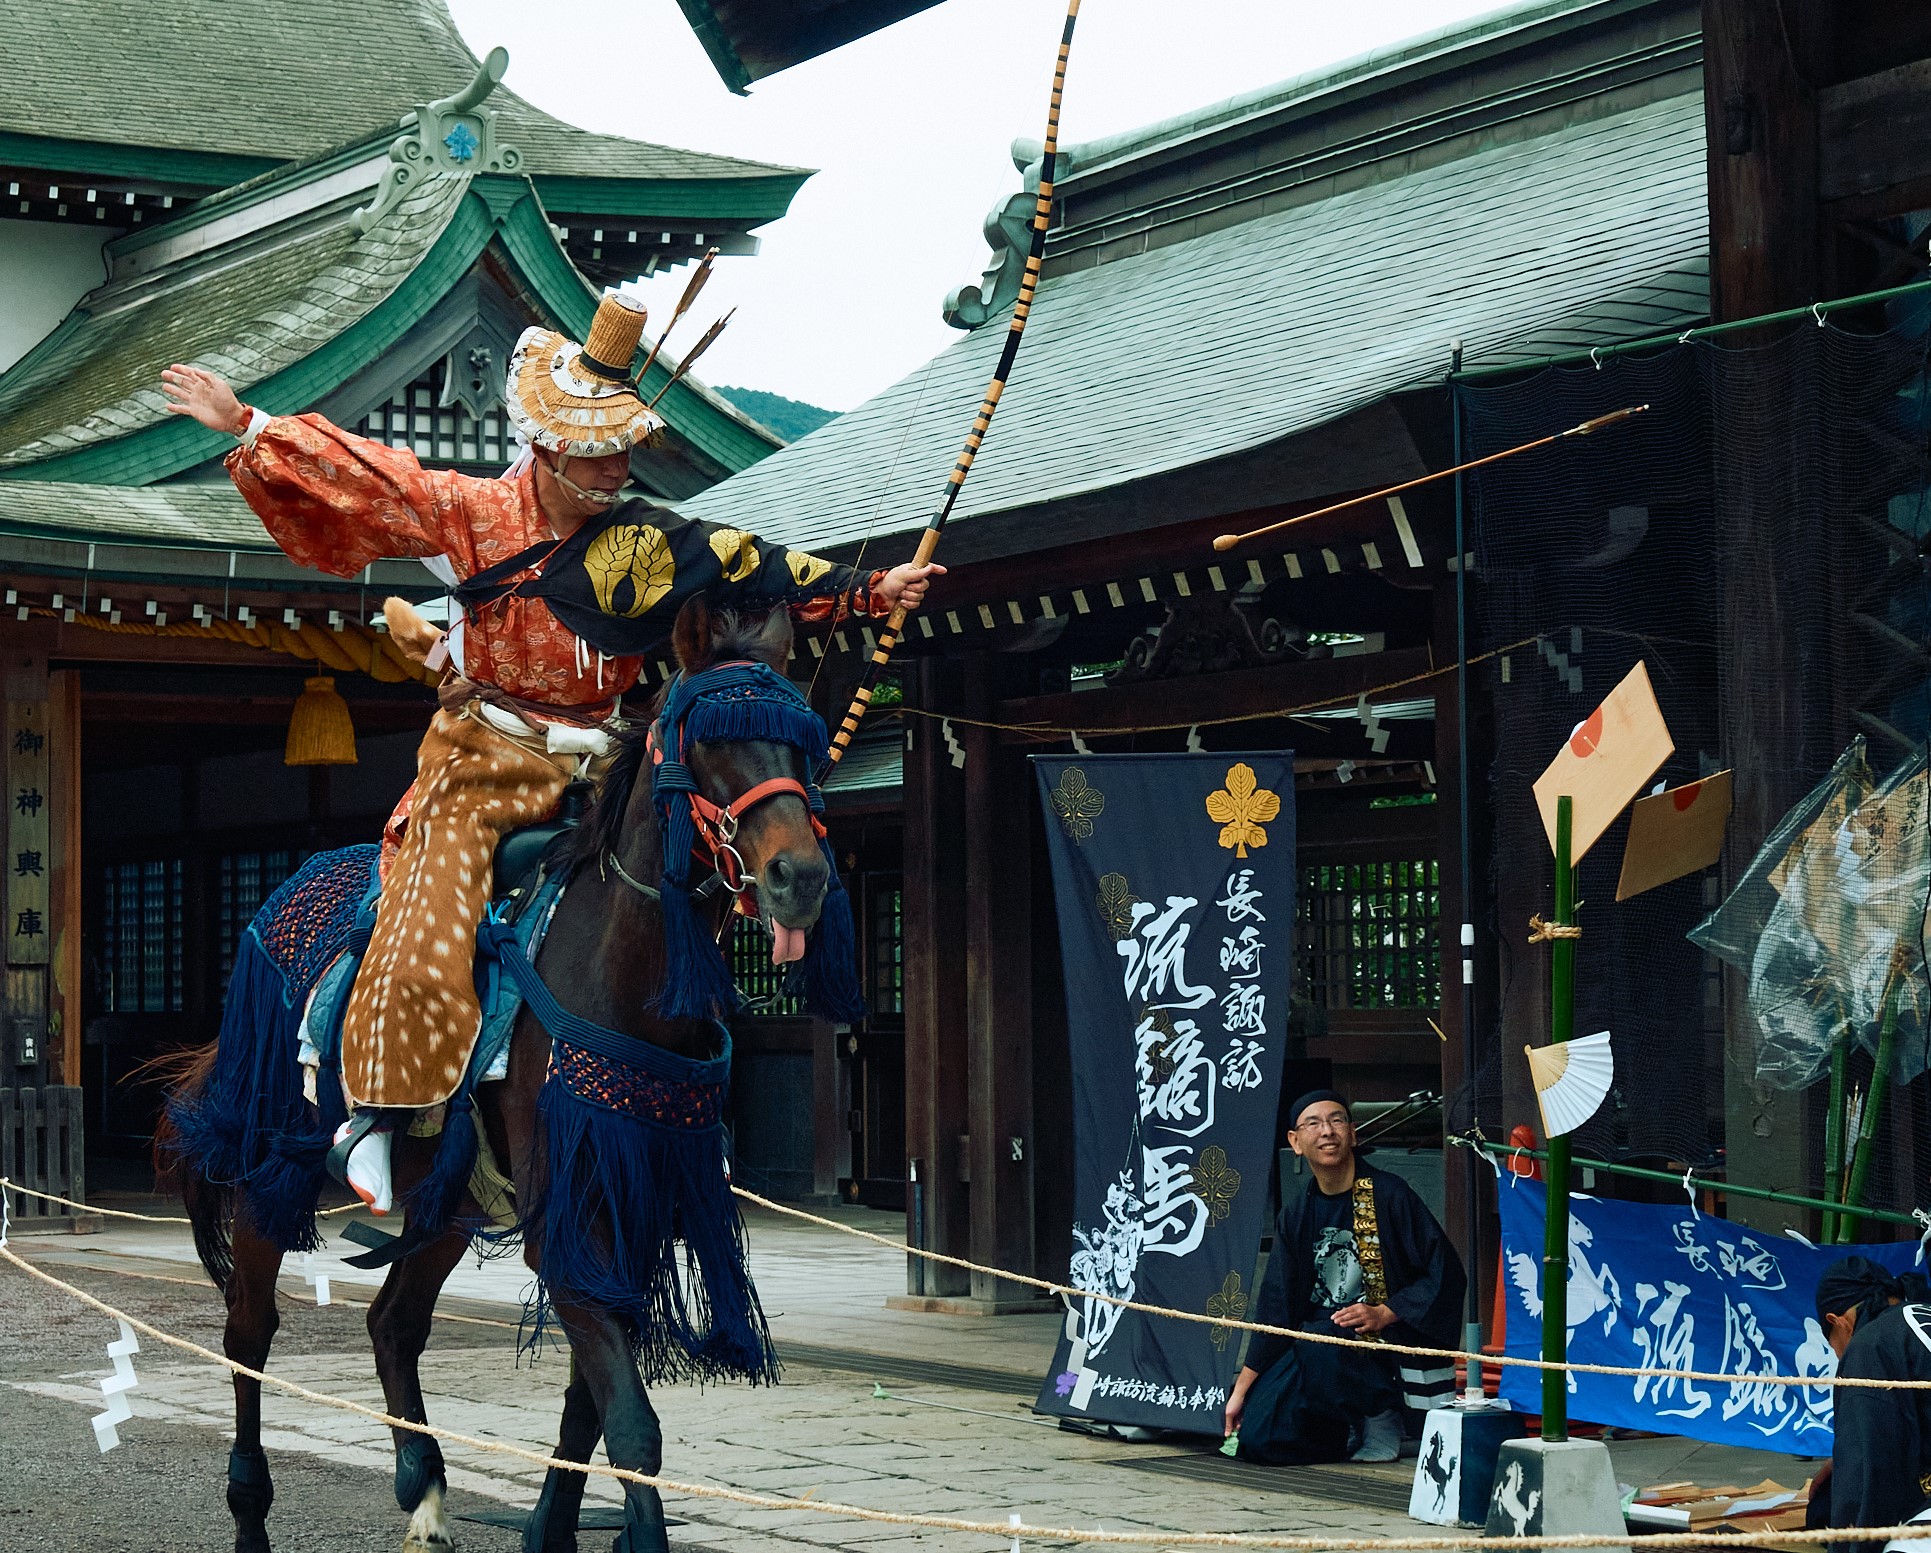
336	501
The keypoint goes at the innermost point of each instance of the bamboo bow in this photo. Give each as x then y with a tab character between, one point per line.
1029	281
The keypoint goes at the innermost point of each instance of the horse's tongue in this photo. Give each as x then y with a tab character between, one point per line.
787	944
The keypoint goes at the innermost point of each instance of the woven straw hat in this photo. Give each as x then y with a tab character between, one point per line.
578	399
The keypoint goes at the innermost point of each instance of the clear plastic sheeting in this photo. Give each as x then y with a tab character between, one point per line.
1733	931
1846	879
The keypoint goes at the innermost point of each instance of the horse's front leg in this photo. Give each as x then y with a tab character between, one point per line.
552	1526
399	1322
633	1438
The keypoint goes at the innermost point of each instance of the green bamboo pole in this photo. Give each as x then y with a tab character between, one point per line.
1555	1237
1850	1222
1729	1189
1834	1131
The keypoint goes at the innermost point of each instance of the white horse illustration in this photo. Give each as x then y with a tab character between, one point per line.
1593	1291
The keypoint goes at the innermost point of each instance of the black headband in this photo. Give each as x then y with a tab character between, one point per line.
1316	1097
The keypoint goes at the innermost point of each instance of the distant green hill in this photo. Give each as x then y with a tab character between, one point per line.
789	418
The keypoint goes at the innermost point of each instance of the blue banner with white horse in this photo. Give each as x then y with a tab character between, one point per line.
1174	881
1669	1288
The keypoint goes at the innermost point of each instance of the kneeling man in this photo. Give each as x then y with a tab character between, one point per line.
1356	1255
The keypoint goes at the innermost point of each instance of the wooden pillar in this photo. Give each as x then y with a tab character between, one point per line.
1765	248
935	986
830	1133
65	1014
999	995
28	923
1461	1173
1760	120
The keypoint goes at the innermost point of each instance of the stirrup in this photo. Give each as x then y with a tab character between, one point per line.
360	1125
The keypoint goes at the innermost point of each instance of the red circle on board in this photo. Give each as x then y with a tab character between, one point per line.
1685	796
1586	739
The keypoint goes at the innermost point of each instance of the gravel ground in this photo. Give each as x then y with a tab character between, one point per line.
59	1494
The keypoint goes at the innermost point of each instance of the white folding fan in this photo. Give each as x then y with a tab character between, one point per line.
1571	1080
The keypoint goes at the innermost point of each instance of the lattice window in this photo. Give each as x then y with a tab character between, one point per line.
885	983
751	968
436	435
141	936
246	880
1370	934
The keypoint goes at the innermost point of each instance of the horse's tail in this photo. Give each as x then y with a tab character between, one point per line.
185	1075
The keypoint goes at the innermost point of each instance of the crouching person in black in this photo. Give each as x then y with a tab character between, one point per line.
1879	1473
1357	1255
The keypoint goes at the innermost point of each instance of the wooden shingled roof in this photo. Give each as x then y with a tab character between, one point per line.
273	287
1175	360
287	79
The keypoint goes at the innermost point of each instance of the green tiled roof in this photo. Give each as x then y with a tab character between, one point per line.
875	763
287	309
280	80
1243	336
192	514
246	316
1421	49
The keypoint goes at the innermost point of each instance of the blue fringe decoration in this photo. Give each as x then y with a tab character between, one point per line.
434	1199
249	1127
697	982
690	1317
743	719
827	976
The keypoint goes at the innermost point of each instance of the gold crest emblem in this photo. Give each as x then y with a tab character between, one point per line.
805	569
634	553
735	553
1241	808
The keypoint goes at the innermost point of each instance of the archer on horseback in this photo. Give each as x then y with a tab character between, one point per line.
541	558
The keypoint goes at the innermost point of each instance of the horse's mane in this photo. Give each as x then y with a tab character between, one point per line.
732	636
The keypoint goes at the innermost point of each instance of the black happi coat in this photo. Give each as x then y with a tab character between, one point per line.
1309	1396
1881	1462
619	581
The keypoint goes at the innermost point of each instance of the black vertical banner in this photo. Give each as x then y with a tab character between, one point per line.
1173	876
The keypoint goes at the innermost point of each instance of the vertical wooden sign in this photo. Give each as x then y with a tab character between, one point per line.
28	857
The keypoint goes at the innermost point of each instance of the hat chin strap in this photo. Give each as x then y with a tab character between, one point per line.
595	498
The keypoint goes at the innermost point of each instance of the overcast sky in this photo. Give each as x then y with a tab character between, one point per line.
910	130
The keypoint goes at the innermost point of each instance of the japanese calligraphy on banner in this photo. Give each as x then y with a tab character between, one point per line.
1668	1288
1173	877
28	825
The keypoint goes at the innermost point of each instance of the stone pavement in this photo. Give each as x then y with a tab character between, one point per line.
898	1411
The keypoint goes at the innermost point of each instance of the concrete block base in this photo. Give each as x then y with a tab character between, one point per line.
1557	1488
1455	1471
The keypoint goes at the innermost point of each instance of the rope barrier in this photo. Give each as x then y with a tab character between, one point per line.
1715	1377
145	1218
998	1529
1293	1334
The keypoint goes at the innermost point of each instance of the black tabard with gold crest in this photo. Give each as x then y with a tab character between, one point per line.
618	582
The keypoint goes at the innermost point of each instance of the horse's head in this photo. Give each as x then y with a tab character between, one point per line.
755	784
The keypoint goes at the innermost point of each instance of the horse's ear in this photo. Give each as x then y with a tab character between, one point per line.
691	636
775	637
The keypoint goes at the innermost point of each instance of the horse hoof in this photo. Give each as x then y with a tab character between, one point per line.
428	1526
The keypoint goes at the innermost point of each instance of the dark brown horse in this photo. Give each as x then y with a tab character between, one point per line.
604	960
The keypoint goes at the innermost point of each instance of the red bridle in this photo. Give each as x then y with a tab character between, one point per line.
717	824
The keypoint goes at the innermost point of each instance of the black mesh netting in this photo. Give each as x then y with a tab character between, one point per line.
1753	538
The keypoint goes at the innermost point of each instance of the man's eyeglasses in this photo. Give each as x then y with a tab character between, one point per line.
1319	1124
